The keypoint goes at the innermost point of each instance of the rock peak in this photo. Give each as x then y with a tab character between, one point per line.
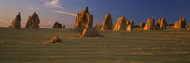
86	8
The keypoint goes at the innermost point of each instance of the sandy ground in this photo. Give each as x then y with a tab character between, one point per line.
31	46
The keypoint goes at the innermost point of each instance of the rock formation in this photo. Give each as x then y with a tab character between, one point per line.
85	19
57	25
88	32
127	22
33	21
181	23
55	39
149	25
78	27
63	26
129	28
16	23
132	23
142	25
107	24
97	27
163	23
158	23
120	24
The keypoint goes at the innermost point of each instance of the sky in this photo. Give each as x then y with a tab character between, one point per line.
64	11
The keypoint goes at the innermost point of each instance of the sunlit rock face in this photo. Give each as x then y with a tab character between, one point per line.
181	23
161	23
97	27
142	25
90	32
107	23
57	25
33	21
16	23
120	24
129	28
55	39
131	23
149	25
85	19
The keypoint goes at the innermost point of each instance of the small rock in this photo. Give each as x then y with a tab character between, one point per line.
55	39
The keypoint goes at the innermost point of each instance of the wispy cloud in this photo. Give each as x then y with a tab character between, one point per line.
32	7
63	12
53	3
4	22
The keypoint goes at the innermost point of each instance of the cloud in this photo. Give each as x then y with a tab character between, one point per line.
53	4
31	7
4	22
34	9
63	12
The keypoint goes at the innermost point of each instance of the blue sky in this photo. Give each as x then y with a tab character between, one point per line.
64	11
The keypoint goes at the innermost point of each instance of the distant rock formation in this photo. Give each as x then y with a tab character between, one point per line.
16	23
57	25
157	24
85	19
132	23
33	21
88	32
63	26
107	24
142	25
129	28
181	23
161	23
149	25
55	39
120	24
97	27
127	22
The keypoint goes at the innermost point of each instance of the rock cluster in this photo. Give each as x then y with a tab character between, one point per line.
90	32
161	23
149	25
33	21
97	27
107	23
129	22
16	23
57	25
142	25
181	23
83	20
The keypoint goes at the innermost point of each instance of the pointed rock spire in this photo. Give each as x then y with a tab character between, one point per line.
33	21
85	19
107	23
149	24
16	23
120	24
